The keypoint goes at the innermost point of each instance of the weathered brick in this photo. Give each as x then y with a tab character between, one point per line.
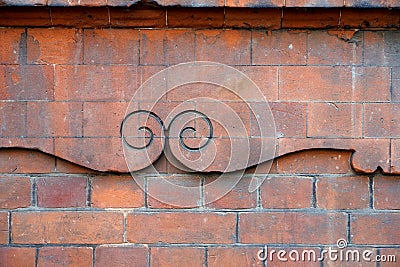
15	192
381	48
67	227
131	17
381	120
265	77
12	119
370	154
391	257
65	256
44	46
17	256
195	18
54	119
63	166
3	227
61	192
79	18
190	3
287	192
386	191
287	256
309	18
17	82
116	192
315	161
325	48
315	83
93	152
177	256
160	47
291	227
371	84
360	18
352	260
193	228
224	46
375	228
79	82
98	114
279	48
72	3
395	156
10	47
233	256
111	46
174	191
121	256
314	3
238	197
371	3
342	192
334	120
253	18
256	3
396	84
39	18
25	161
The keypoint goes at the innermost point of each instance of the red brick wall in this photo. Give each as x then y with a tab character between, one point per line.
55	93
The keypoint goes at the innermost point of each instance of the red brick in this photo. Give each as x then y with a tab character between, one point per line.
351	255
82	17
49	119
131	17
44	46
109	114
17	256
315	83
177	256
101	154
292	227
25	161
342	192
195	18
79	83
396	84
380	48
265	77
111	46
61	192
370	4
279	48
10	47
67	227
382	120
182	227
238	197
315	161
174	191
391	257
306	18
189	3
287	192
224	46
160	47
233	256
328	49
116	192
63	166
378	228
253	18
372	84
18	85
65	256
12	119
71	3
371	154
256	3
290	118
395	156
3	227
15	192
39	18
386	192
334	120
314	3
368	18
285	256
121	256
